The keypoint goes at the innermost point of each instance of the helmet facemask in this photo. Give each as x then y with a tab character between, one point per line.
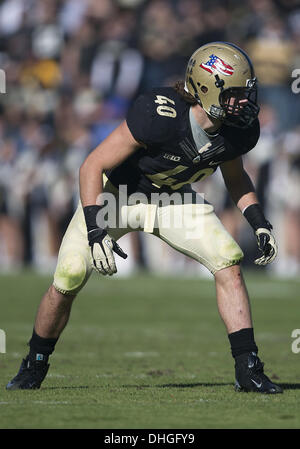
239	105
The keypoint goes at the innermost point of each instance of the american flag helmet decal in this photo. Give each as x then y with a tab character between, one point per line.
216	63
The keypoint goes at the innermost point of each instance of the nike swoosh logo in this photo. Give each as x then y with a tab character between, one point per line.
108	244
215	163
256	383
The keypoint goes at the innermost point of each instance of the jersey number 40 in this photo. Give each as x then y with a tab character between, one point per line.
164	109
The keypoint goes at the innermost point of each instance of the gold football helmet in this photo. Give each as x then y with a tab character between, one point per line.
220	76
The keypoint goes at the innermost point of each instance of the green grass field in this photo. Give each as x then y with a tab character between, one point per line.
149	353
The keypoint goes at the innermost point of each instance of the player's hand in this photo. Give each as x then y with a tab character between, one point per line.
103	248
267	245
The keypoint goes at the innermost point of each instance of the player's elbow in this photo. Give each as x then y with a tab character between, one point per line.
84	168
89	165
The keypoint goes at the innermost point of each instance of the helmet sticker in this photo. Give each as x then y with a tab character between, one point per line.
215	63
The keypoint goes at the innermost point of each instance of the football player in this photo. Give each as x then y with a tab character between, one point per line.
171	138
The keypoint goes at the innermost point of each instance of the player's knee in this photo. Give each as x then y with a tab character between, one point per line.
70	274
55	295
230	278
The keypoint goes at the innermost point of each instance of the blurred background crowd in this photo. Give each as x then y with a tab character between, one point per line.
73	67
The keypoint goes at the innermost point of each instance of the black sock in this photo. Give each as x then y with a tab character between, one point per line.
41	348
242	342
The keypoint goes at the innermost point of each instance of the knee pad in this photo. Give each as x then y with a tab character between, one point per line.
230	254
70	274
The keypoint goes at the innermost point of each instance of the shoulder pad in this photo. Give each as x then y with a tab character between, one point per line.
152	119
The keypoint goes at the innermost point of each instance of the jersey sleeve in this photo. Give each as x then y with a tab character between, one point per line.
242	140
145	124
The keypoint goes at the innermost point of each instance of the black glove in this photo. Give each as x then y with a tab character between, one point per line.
262	229
102	245
267	245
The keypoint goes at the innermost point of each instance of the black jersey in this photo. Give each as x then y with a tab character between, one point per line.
172	155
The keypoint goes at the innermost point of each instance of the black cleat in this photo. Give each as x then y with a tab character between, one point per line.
30	376
249	373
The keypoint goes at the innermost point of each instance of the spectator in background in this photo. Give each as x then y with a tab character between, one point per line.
292	213
272	51
11	210
279	191
289	264
159	42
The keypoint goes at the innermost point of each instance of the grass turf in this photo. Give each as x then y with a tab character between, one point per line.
149	353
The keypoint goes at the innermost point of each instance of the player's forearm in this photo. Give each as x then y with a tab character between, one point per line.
244	196
247	200
242	191
90	182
